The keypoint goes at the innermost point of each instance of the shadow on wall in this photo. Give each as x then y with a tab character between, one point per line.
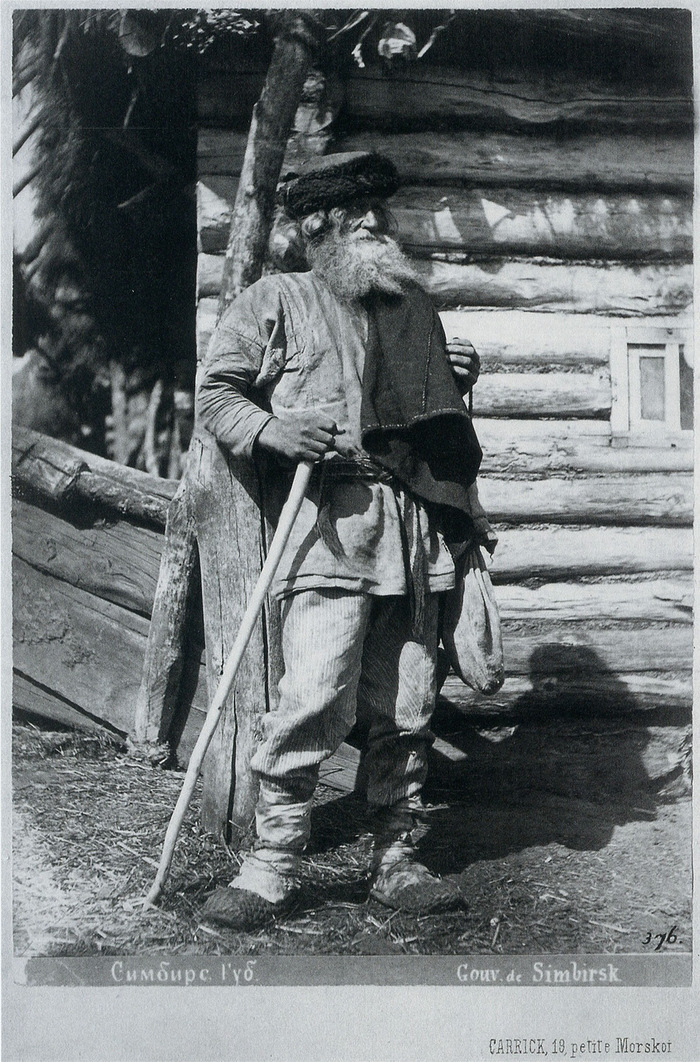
572	759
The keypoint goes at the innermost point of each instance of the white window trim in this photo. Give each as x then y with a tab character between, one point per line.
625	425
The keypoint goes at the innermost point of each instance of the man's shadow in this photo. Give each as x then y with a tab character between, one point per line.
564	763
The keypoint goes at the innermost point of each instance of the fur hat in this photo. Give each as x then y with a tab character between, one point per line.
336	180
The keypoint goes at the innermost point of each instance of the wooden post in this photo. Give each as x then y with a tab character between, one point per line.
162	669
298	36
223	516
228	506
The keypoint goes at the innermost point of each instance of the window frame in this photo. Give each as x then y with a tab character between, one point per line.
627	425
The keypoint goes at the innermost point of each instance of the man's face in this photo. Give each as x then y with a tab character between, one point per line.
367	219
358	254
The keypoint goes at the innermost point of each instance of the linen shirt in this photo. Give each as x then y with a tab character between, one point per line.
288	345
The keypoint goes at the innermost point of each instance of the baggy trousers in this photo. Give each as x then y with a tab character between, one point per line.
343	650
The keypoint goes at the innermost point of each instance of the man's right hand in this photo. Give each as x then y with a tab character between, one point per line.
305	437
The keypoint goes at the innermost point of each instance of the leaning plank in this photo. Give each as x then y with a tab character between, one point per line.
543	285
504	221
118	562
340	770
63	474
87	650
569	552
648	600
664	500
159	692
38	700
635	161
619	761
547	394
230	539
536	447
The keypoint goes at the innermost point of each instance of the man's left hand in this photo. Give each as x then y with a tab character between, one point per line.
465	363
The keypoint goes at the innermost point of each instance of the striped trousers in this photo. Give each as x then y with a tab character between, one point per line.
345	651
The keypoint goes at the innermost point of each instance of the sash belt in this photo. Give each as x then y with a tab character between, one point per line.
414	555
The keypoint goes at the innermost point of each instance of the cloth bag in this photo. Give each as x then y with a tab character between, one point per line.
471	625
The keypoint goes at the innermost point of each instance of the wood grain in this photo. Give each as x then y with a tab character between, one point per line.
648	601
515	447
230	540
420	98
89	651
665	500
632	161
551	552
534	284
502	221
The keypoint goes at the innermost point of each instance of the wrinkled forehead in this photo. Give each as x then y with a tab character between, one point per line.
363	204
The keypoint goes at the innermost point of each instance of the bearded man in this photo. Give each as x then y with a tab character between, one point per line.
346	365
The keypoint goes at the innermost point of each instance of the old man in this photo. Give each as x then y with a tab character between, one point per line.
346	365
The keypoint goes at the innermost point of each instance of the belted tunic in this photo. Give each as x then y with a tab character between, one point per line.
288	345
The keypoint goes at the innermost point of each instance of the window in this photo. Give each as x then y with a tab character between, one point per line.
652	384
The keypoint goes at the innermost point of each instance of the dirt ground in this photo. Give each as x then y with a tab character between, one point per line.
89	824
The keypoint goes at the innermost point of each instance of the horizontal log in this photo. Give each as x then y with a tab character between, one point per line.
636	161
564	394
504	221
63	474
665	500
87	650
508	338
552	285
621	692
552	553
639	161
585	649
546	394
545	285
421	97
537	447
646	600
118	562
88	653
560	224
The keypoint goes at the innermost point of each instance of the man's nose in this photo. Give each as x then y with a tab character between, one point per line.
370	221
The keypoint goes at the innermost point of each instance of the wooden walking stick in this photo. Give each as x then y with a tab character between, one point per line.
288	515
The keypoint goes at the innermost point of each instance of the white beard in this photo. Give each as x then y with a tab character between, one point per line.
353	265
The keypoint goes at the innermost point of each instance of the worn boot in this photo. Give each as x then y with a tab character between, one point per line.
399	880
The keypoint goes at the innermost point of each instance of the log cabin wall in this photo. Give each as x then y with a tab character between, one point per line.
548	205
